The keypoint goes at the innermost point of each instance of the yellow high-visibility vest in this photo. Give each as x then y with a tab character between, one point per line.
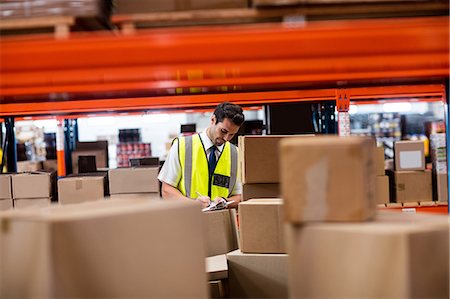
195	172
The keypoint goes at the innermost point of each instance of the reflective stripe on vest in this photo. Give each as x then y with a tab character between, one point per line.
194	164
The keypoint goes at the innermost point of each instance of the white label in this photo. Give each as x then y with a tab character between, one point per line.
60	138
410	159
409	210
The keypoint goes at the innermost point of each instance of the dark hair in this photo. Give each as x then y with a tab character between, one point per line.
231	111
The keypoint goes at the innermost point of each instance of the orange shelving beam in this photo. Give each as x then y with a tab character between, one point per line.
161	68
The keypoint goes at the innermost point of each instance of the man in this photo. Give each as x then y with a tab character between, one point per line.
204	166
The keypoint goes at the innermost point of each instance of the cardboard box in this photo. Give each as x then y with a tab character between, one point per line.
6	204
32	203
98	173
328	178
250	191
259	158
104	249
349	260
144	196
32	185
79	189
50	165
413	186
261	226
100	158
442	187
220	235
252	275
133	180
379	161
217	267
23	166
409	155
382	189
5	186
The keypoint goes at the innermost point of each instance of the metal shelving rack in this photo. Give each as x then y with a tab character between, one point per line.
197	67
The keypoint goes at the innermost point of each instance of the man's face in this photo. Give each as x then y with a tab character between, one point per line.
222	131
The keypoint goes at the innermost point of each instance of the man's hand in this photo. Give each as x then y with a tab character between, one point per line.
204	200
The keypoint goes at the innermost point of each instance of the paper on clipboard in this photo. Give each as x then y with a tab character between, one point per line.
219	205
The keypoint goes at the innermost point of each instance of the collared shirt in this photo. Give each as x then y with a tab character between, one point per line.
171	171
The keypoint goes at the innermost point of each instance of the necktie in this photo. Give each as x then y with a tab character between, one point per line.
212	160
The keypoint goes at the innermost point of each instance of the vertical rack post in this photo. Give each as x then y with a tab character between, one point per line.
70	141
60	157
343	106
10	150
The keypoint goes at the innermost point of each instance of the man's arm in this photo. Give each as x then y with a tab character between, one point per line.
170	192
237	200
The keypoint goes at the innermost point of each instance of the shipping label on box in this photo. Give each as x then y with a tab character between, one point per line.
409	155
5	186
261	226
220	235
32	185
328	178
79	189
250	191
133	180
413	186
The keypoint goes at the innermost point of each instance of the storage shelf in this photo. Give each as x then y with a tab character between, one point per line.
199	67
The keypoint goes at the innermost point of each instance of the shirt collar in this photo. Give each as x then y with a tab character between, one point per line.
208	143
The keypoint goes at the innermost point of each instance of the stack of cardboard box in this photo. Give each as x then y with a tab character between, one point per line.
258	269
6	199
134	182
439	160
259	164
411	181
335	250
33	189
220	228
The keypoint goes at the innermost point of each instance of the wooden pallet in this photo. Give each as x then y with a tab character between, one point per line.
128	23
61	24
